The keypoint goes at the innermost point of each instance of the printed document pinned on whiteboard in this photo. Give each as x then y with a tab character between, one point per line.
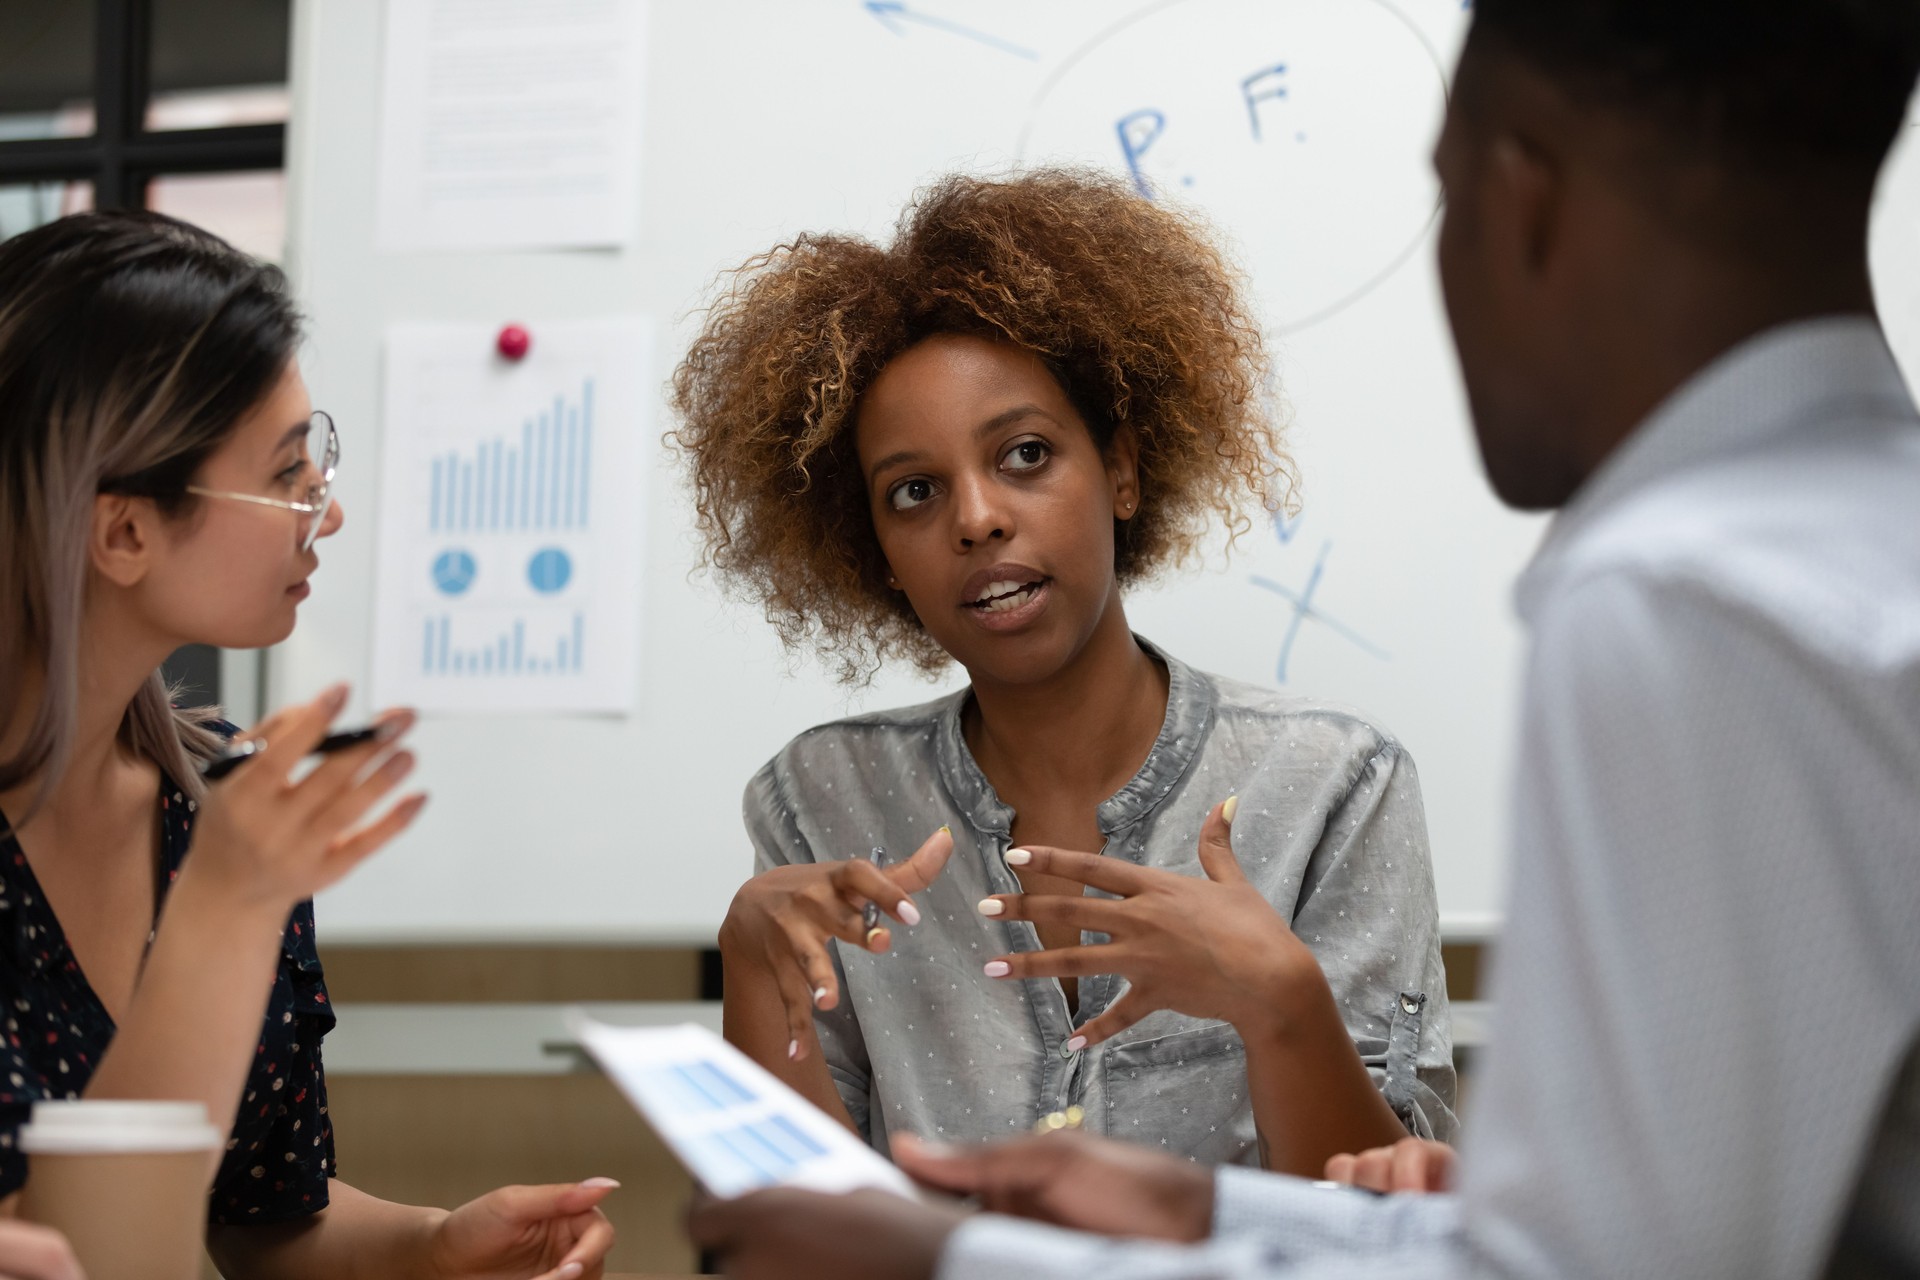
512	511
511	126
734	1126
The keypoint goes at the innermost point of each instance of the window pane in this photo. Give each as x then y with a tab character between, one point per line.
30	204
249	210
219	62
46	69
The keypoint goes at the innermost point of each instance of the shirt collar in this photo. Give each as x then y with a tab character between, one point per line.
1189	713
1789	378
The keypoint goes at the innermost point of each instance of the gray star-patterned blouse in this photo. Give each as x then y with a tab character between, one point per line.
1329	826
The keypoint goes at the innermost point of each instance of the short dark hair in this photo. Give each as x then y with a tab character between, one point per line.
1751	84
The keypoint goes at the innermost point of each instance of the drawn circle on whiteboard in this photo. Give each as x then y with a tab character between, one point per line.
549	571
1301	128
454	572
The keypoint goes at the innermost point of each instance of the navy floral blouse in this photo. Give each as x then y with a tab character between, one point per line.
280	1149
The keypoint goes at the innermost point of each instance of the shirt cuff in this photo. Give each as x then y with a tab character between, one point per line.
990	1247
1299	1220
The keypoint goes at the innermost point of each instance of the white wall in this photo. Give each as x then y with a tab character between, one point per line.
766	117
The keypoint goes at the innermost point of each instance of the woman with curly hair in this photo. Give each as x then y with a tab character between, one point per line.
963	447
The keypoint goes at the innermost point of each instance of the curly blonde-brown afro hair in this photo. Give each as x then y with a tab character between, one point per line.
1127	302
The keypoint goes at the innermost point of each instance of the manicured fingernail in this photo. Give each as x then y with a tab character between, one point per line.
819	994
998	968
793	1050
909	914
572	1271
991	906
944	827
395	725
1226	810
1076	1044
336	697
597	1183
1018	857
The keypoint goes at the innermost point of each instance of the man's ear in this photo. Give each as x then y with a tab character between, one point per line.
1123	471
121	541
1522	205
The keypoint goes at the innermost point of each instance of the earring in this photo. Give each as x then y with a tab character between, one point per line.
893	582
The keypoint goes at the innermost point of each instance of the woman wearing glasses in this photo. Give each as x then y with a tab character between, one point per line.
163	481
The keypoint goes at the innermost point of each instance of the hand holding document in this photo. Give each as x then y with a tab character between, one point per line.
734	1127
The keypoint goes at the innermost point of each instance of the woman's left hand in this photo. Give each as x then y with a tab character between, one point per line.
1411	1166
525	1233
1208	948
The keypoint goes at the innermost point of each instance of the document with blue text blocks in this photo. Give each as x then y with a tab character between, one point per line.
733	1125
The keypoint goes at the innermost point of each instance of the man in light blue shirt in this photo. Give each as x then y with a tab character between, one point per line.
1706	1057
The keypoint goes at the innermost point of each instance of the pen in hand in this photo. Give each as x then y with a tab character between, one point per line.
238	753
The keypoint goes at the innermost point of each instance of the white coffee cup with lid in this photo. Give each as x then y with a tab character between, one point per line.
126	1181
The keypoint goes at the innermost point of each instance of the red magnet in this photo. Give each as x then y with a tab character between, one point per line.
514	341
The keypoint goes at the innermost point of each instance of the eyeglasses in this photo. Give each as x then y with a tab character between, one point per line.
319	432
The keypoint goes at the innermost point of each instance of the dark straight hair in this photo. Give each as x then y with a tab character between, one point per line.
131	346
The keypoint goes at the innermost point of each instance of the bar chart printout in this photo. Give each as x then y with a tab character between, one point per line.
733	1126
535	479
511	519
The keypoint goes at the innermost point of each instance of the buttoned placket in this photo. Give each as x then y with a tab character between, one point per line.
1065	1077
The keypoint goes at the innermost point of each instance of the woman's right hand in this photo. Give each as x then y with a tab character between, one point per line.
781	921
268	840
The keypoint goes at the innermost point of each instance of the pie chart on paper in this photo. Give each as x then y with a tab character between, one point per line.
453	572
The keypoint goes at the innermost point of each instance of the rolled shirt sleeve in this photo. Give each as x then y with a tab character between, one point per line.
1369	911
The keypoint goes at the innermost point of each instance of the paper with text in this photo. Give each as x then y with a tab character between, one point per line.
511	126
732	1124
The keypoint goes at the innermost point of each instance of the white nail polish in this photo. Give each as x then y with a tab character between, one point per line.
793	1050
991	906
909	914
819	994
1076	1044
998	968
1018	857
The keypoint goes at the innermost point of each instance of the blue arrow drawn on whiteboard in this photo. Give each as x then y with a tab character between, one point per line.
894	12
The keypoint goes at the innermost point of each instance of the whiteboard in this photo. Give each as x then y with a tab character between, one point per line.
1299	127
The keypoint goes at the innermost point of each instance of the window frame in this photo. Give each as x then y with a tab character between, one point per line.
122	156
121	159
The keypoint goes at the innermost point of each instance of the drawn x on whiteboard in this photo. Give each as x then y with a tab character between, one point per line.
1304	608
